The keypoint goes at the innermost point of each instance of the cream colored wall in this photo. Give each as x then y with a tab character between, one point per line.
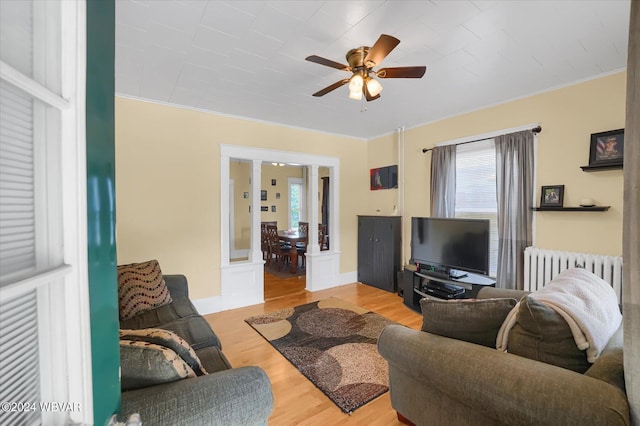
383	152
568	117
281	175
168	185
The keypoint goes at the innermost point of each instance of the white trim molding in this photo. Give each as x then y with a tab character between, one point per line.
242	283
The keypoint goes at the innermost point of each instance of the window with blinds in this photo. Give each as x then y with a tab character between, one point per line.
40	340
476	189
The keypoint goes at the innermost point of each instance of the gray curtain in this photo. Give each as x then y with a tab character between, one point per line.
514	188
631	221
443	181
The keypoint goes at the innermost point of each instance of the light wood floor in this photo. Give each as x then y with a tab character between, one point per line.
297	400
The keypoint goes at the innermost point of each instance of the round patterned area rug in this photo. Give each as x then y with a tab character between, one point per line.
333	343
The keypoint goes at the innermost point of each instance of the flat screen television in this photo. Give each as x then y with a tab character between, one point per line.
446	244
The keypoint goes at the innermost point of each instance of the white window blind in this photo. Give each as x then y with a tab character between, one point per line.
17	205
18	319
476	189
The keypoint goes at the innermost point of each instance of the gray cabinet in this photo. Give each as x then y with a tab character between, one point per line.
379	251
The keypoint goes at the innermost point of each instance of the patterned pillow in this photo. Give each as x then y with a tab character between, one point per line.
472	320
169	340
145	364
141	288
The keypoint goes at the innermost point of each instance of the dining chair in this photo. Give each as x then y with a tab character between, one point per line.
264	239
301	246
280	251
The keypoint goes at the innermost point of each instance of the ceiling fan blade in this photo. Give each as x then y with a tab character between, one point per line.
383	46
367	95
328	62
402	72
331	88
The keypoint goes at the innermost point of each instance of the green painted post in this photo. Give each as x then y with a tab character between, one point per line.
101	221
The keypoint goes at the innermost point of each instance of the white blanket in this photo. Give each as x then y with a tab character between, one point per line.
588	304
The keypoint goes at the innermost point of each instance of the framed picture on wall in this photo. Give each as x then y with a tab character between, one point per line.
383	178
607	148
264	208
263	195
552	196
273	208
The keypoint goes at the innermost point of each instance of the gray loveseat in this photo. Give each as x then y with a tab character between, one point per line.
436	380
226	396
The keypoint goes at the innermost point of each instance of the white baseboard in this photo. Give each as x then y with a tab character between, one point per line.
349	277
209	305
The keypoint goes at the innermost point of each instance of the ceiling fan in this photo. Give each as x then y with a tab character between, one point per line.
361	61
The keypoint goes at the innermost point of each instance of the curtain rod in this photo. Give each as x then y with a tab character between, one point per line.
536	129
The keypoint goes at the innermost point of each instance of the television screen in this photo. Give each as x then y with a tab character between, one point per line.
451	243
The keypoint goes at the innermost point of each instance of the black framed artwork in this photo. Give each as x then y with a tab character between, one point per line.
263	195
552	196
607	148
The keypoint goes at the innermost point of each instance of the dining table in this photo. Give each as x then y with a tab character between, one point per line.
292	237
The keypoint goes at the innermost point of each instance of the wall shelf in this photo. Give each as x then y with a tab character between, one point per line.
601	167
572	209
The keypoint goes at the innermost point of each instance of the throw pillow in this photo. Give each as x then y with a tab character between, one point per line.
141	288
540	333
144	364
472	320
169	340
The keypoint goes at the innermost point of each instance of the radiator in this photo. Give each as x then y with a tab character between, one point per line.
541	265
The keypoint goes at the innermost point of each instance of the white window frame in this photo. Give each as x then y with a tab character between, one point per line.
470	213
496	133
303	199
63	290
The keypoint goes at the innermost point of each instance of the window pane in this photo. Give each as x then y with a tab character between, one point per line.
19	361
17	203
16	35
476	190
28	128
294	202
30	40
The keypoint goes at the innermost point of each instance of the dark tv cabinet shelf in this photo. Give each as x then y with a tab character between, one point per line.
572	209
379	244
413	283
599	168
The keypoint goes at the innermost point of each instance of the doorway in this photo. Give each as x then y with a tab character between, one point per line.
242	282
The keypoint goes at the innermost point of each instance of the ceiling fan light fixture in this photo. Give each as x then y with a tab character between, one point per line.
355	94
373	86
355	83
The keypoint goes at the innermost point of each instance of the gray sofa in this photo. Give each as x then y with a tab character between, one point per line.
436	380
226	396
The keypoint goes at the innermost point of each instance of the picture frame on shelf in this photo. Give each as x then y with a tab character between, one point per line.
552	196
607	148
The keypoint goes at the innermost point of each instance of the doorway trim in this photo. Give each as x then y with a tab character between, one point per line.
242	283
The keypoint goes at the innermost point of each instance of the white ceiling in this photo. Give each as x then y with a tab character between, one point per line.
246	58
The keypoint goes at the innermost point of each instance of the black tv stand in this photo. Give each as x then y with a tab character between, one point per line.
417	285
